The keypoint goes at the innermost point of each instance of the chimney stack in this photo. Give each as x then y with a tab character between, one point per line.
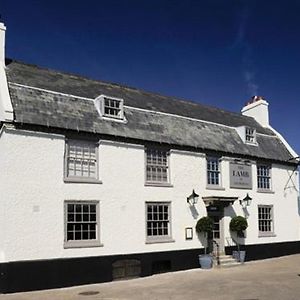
257	107
6	109
2	44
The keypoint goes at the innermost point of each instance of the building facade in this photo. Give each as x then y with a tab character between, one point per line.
95	178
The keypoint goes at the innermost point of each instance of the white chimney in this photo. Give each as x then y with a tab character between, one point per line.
2	44
257	108
6	109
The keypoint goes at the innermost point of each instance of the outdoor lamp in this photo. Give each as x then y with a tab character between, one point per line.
193	198
246	201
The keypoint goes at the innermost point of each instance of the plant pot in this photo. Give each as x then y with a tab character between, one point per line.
241	257
205	261
235	255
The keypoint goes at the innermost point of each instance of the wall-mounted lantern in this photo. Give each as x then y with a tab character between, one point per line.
193	198
246	201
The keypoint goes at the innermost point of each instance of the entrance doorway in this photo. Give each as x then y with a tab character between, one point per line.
216	238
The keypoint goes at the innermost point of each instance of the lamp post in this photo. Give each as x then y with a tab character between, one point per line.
193	198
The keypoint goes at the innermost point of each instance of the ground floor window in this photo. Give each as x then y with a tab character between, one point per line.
265	220
81	223
158	225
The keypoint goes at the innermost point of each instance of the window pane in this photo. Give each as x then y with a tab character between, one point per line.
71	217
93	217
92	235
70	208
70	236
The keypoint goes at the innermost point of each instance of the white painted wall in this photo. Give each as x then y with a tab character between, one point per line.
33	193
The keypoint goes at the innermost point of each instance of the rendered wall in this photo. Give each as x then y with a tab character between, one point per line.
33	193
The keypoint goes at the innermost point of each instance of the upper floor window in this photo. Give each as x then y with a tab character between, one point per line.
81	161
157	165
213	171
110	107
264	177
265	220
250	135
81	223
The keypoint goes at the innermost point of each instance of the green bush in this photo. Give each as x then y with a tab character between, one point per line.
238	224
205	224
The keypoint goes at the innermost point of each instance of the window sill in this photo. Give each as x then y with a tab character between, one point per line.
158	184
251	143
215	187
114	119
270	234
82	180
82	244
265	191
158	241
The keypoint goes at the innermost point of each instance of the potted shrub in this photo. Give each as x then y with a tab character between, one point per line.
205	226
238	224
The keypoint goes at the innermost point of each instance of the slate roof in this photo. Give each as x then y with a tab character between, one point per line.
32	106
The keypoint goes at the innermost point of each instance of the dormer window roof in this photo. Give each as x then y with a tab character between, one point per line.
110	107
250	135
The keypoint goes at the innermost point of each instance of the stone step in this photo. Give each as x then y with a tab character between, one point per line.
226	261
231	265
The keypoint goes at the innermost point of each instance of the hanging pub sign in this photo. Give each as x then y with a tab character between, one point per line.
240	175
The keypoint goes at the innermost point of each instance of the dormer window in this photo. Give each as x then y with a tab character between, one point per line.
247	135
110	107
250	135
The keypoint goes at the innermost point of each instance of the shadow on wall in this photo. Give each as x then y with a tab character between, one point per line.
203	240
238	239
230	212
246	212
194	212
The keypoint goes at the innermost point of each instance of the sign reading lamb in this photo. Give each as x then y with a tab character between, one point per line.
240	176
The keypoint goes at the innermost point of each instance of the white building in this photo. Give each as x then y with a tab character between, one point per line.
95	178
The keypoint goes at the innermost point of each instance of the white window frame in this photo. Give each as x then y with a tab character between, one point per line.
100	106
167	167
219	172
78	178
266	179
81	243
265	233
164	238
250	136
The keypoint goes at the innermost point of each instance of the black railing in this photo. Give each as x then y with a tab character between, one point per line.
218	252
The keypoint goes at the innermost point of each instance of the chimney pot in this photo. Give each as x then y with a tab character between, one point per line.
2	44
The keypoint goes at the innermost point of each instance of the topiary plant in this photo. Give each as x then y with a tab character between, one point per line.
238	224
205	225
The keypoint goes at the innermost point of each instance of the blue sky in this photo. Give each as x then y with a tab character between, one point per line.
218	53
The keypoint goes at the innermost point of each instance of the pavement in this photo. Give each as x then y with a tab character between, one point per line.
276	279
